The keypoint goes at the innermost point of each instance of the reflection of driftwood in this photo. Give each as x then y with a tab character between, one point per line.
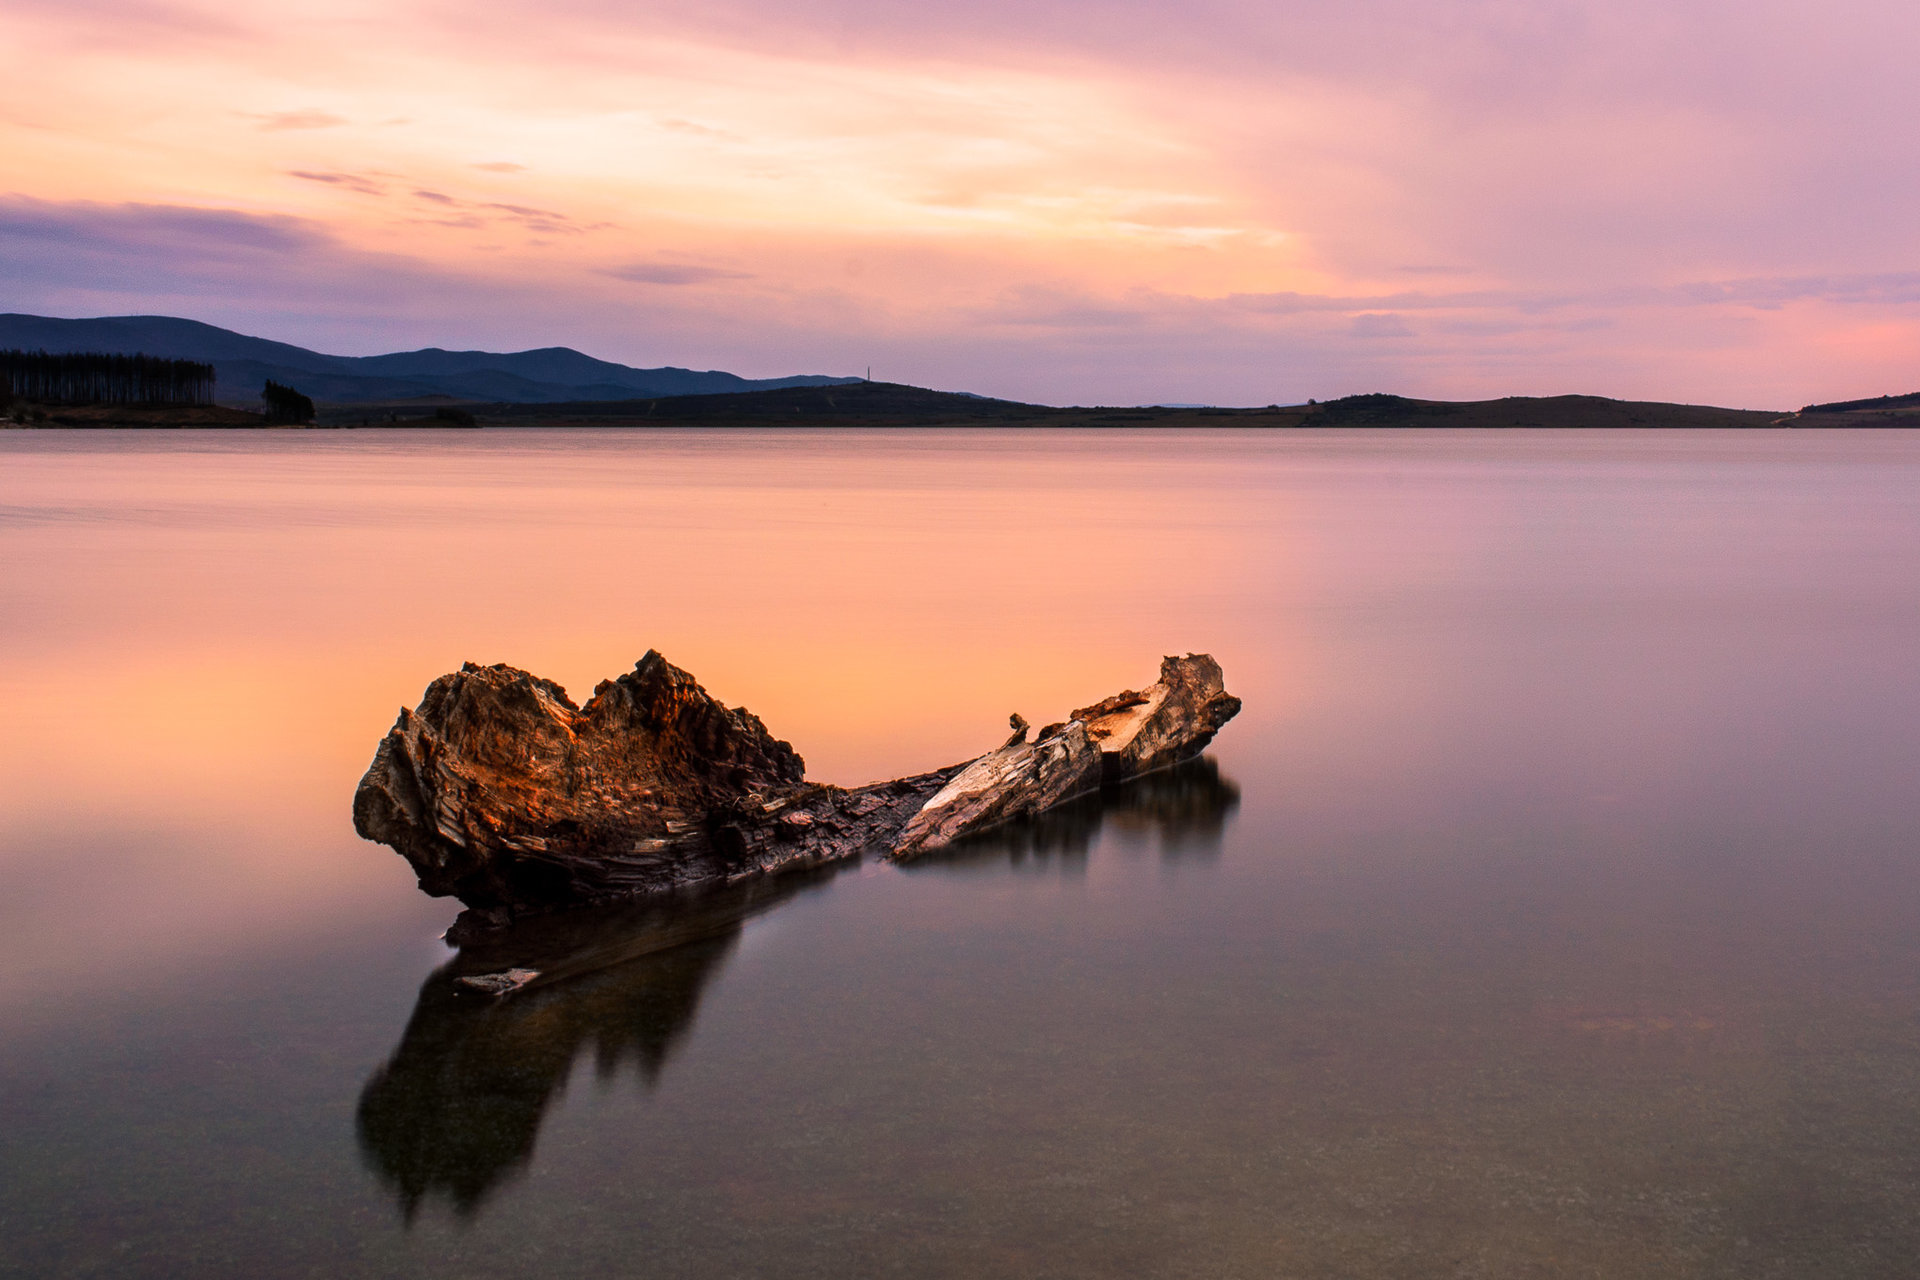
501	792
458	1105
1183	810
457	1108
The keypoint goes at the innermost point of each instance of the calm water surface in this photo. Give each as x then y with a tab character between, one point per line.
1553	909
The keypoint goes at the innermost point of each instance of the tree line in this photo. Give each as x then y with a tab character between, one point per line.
95	377
286	405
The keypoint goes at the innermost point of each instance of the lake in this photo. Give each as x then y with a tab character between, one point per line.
1551	910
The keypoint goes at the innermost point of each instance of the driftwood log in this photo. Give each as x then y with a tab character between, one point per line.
501	792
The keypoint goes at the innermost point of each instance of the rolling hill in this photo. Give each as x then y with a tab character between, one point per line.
1881	411
245	363
882	404
561	386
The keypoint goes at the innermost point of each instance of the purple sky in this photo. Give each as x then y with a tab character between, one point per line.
1212	201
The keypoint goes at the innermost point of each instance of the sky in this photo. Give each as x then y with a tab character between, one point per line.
1136	201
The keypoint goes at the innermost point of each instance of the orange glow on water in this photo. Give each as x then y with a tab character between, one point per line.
202	637
213	639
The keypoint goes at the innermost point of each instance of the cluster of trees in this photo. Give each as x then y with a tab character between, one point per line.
285	405
92	377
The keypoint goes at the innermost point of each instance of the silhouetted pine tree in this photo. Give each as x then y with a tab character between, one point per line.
285	405
94	377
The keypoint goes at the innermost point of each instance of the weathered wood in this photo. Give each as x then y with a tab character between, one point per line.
501	792
1171	720
1117	738
1020	779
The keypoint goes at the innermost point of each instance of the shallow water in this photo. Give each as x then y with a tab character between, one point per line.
1553	908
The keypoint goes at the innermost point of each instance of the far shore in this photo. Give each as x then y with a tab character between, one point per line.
887	405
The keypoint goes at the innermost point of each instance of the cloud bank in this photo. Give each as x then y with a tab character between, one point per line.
1218	201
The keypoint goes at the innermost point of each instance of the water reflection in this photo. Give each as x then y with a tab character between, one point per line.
457	1108
1182	810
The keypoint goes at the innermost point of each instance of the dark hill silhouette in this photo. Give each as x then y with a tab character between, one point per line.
1881	411
1909	401
1530	411
853	404
558	385
245	363
885	404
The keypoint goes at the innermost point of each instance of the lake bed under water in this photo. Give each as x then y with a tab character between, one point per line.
1552	908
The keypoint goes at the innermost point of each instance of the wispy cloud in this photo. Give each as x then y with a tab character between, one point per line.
673	273
145	235
462	214
1045	197
1374	324
1884	288
345	181
311	118
677	125
127	23
474	214
101	257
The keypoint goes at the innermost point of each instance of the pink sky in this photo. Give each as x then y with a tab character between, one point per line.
1217	201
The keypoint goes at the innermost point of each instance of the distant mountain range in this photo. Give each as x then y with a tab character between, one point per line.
243	364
